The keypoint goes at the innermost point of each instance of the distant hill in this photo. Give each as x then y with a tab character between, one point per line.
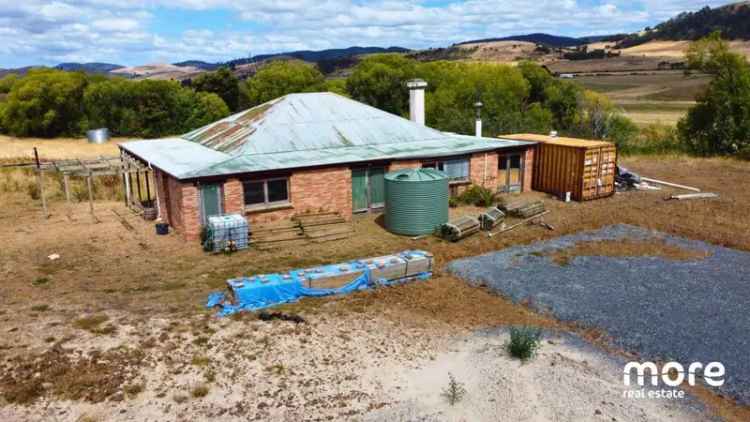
199	64
322	55
88	67
544	39
732	20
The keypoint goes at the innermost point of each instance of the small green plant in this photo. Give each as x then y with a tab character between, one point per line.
477	195
200	360
40	281
94	323
133	389
453	202
200	390
455	391
40	308
524	342
179	398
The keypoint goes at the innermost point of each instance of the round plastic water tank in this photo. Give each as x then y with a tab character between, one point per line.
416	201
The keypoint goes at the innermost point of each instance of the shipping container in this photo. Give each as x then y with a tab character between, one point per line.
585	168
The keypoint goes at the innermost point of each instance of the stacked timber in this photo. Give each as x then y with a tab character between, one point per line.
301	230
491	218
525	209
460	228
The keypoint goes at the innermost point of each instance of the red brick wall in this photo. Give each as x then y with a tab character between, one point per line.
406	164
327	189
528	169
234	199
483	170
191	214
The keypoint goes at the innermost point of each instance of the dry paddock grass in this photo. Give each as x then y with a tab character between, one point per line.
107	267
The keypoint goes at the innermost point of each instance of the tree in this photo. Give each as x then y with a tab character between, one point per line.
380	81
720	121
278	79
539	79
45	103
223	83
6	83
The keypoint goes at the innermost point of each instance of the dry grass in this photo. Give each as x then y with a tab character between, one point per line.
22	149
105	266
626	248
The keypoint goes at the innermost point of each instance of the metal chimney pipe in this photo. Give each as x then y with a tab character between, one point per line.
478	124
416	100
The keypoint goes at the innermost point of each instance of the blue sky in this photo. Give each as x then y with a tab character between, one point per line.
133	32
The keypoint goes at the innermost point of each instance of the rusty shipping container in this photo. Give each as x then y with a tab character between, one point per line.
584	168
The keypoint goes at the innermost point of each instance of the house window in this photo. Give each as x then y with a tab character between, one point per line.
266	192
456	169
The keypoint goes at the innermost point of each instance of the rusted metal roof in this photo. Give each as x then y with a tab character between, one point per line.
302	130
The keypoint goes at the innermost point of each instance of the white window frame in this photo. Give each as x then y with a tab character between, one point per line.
266	203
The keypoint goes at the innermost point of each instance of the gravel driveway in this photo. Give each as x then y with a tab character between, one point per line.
687	311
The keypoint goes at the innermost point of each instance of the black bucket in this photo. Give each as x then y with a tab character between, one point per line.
162	228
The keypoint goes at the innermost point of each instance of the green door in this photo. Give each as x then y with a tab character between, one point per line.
377	187
210	201
359	190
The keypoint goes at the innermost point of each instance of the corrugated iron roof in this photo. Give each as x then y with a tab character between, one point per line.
302	130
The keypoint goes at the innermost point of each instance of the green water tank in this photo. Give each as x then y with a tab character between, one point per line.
416	201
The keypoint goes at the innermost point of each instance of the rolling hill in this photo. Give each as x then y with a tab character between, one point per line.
538	38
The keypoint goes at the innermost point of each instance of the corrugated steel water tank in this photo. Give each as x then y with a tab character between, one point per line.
416	201
585	168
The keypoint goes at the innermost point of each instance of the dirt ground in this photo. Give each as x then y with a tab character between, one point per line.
125	306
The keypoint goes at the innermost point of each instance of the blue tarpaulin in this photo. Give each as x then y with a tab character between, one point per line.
263	291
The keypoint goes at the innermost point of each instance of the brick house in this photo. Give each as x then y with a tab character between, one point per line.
312	152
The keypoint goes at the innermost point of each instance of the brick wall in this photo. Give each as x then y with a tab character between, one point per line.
191	214
483	170
327	189
234	199
405	164
528	169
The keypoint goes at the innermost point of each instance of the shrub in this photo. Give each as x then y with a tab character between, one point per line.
200	390
524	342
455	391
477	195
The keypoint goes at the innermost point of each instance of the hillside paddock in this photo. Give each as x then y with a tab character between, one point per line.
116	329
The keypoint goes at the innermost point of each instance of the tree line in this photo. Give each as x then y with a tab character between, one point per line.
523	98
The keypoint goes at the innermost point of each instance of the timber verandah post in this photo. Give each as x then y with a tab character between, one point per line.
40	183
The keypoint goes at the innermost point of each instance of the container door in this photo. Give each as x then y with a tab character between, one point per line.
359	190
210	201
376	177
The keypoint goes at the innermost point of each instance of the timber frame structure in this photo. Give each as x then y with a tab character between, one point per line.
124	166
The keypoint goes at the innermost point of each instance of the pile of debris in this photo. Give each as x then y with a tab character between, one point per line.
494	217
300	230
627	180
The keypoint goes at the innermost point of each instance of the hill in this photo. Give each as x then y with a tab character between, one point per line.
548	40
321	55
88	67
198	64
732	20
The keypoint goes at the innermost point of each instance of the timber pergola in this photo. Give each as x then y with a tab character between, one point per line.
124	166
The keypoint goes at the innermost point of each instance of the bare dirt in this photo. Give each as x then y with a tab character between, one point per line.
152	290
627	248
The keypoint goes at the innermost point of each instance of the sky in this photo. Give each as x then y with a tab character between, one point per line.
134	32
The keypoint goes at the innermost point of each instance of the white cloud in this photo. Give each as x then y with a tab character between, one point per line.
35	31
